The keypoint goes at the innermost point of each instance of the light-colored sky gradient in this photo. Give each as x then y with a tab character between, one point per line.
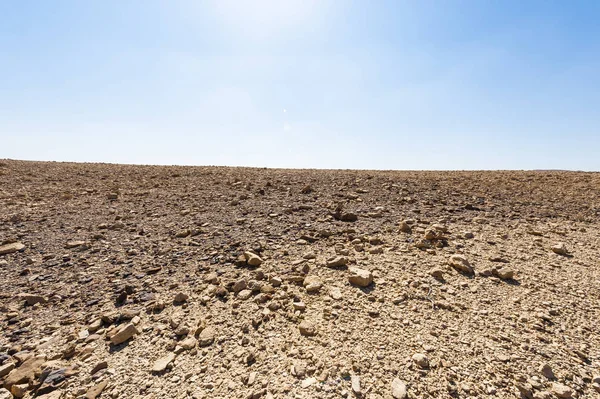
303	83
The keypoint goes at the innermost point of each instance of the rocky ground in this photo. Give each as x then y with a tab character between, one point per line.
211	282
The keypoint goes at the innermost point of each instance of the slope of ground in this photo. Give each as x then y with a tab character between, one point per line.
211	282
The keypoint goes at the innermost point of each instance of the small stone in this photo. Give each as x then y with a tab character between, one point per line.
11	248
360	277
239	285
562	391
181	297
505	273
6	368
188	343
252	259
312	284
404	227
18	391
307	328
74	244
161	364
99	366
437	273
337	261
355	383
460	263
5	394
301	306
31	299
123	334
560	249
335	293
547	372
25	372
244	294
96	390
421	360
398	389
308	382
207	336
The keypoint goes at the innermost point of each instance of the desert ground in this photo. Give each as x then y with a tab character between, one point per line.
125	281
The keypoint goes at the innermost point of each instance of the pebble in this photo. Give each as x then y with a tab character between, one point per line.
96	390
207	336
252	259
505	273
547	372
337	261
421	360
460	263
355	383
360	277
123	334
161	364
312	284
562	391
31	299
181	297
560	249
307	328
437	273
11	248
308	382
398	389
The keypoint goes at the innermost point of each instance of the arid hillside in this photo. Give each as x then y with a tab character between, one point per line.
210	282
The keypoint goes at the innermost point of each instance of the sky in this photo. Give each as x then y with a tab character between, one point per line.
336	84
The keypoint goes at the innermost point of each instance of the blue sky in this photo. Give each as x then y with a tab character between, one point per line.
303	83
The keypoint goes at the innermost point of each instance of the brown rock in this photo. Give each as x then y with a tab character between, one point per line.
123	334
11	248
360	277
25	372
460	263
207	336
96	390
161	364
307	328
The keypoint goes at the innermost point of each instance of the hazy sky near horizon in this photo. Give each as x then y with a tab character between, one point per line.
450	84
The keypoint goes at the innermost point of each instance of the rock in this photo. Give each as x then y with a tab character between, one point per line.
252	259
421	360
561	391
460	263
404	227
161	364
19	390
99	366
338	261
398	389
11	248
301	306
307	328
96	390
308	382
181	297
188	343
5	394
335	293
207	336
560	249
31	299
360	277
6	368
312	284
355	384
468	235
437	273
123	334
504	273
547	372
74	244
596	379
244	294
25	373
239	285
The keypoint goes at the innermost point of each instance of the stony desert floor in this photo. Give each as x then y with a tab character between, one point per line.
212	282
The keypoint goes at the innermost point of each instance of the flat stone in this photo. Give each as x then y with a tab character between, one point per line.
420	360
308	382
31	299
11	248
124	334
6	368
161	364
560	249
99	366
337	261
25	372
96	390
252	259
